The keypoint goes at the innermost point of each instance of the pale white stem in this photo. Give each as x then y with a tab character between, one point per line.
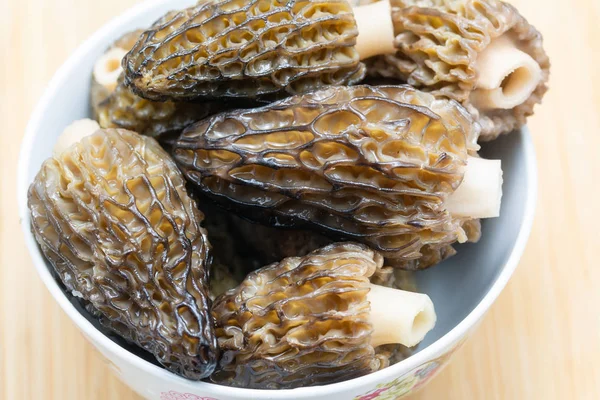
73	134
480	193
375	29
108	68
507	76
399	317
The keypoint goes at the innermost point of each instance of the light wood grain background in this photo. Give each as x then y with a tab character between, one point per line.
541	340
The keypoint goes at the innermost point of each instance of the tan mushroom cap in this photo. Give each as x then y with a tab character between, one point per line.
116	106
112	216
375	165
438	49
313	320
246	48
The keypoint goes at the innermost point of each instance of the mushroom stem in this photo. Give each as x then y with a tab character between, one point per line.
480	193
74	133
108	68
507	76
398	316
375	29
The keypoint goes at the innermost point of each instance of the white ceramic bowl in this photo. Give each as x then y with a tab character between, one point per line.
462	288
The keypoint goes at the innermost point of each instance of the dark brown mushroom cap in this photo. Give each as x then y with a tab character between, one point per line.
245	48
121	108
112	216
438	44
300	322
372	164
124	109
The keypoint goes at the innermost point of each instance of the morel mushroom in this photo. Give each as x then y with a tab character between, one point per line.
112	216
116	106
482	53
314	320
387	166
245	48
240	247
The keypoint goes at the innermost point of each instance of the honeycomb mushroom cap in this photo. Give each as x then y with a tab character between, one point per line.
121	108
300	322
438	42
241	48
434	253
112	216
373	164
124	109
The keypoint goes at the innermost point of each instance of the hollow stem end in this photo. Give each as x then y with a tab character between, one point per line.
480	193
399	317
507	76
375	29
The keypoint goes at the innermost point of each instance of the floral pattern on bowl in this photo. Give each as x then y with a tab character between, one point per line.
173	395
405	384
411	381
399	387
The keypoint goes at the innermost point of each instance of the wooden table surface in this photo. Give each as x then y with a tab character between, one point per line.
541	339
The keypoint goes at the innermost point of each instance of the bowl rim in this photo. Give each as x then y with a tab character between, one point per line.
392	372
